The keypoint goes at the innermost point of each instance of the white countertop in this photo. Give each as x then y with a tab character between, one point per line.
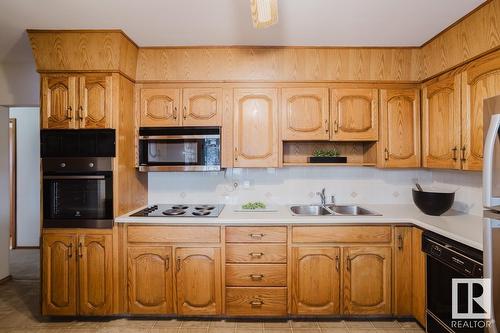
464	228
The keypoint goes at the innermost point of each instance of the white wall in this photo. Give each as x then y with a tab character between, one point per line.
28	175
4	193
19	84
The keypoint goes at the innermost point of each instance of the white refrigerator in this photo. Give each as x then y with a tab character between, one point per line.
491	202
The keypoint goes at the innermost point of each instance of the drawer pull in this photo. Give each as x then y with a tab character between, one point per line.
337	263
256	277
257	303
256	254
178	263
400	242
256	236
167	263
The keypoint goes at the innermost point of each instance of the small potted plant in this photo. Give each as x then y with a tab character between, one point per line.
327	156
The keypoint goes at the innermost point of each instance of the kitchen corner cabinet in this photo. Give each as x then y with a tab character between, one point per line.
399	144
354	114
305	114
441	124
403	275
367	280
75	102
198	281
315	280
77	273
256	128
150	280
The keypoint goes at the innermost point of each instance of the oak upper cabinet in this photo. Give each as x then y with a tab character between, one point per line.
202	107
59	274
159	107
354	114
95	259
403	274
95	101
304	114
367	280
150	288
59	102
316	281
480	81
399	144
256	128
441	124
198	279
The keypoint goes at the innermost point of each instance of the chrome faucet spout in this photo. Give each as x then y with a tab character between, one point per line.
322	195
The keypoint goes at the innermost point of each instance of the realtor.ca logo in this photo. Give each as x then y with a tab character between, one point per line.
471	303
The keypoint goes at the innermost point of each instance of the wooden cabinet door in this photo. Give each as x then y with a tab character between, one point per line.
399	146
304	114
202	106
316	281
198	281
419	285
59	274
403	286
354	114
478	82
95	100
256	128
441	124
367	280
150	288
58	102
160	107
95	276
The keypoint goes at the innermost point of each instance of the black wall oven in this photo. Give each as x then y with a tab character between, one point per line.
77	188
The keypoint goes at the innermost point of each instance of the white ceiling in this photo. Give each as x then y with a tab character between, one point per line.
228	22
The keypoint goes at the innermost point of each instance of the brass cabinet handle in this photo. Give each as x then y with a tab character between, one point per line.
235	153
70	253
326	126
80	112
80	252
167	263
178	263
256	303
454	153
463	149
337	263
256	254
256	277
184	112
335	126
400	242
256	236
175	112
69	112
348	263
386	154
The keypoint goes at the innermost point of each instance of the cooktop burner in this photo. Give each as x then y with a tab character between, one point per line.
179	210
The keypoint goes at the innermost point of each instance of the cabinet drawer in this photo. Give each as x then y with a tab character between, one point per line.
256	253
170	234
253	275
256	301
256	234
342	234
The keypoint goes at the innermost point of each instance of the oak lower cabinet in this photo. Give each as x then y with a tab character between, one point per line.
198	281
150	280
367	280
77	273
403	275
315	280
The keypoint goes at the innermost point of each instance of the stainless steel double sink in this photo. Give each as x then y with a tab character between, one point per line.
331	210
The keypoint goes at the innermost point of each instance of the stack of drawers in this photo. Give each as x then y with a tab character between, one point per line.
256	271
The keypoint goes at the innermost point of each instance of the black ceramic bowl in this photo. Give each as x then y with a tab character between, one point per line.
433	203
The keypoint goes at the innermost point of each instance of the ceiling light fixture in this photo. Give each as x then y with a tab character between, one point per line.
264	13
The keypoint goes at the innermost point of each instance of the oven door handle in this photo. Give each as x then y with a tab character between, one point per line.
75	177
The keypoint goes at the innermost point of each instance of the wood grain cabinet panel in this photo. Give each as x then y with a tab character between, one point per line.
399	146
95	274
159	107
58	102
367	280
256	234
202	106
95	101
59	274
256	128
342	234
256	301
480	81
253	275
403	275
150	288
354	114
316	281
198	281
441	124
419	265
304	113
256	253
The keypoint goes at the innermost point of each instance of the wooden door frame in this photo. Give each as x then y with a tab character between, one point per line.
13	181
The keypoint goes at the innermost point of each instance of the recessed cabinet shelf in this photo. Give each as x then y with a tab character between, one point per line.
296	153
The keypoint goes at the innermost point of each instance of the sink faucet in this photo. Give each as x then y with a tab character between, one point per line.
322	195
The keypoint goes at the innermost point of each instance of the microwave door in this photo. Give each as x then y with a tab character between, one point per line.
491	164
